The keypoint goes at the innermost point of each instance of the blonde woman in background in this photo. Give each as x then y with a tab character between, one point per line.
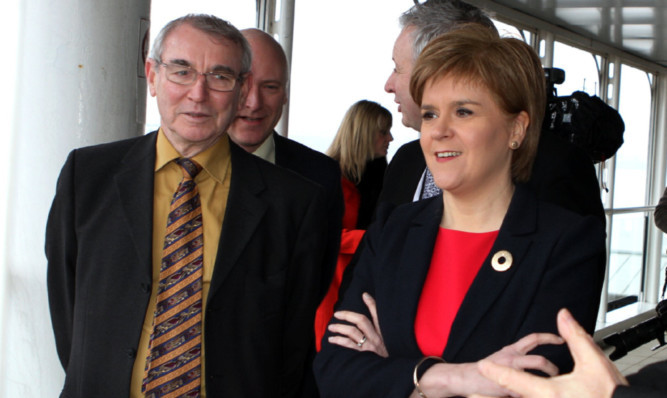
360	148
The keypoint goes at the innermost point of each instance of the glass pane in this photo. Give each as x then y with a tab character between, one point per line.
581	72
507	30
241	14
337	67
334	69
632	157
626	257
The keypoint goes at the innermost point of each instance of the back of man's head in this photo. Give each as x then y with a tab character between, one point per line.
436	17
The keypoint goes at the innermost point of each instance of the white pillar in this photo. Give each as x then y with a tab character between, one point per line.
79	82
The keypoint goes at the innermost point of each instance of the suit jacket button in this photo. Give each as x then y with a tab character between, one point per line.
145	287
131	352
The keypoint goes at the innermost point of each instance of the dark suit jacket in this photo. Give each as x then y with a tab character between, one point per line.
261	302
403	174
649	382
562	174
324	171
558	261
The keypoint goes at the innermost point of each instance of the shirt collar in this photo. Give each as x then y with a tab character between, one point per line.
267	150
215	160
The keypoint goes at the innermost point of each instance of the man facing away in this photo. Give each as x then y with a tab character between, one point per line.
562	173
177	263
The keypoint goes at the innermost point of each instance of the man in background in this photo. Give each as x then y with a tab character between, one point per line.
562	173
407	179
254	130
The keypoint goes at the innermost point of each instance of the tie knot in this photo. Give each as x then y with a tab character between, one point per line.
189	166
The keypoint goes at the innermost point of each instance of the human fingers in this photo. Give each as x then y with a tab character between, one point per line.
371	330
535	362
585	352
375	338
359	320
350	332
356	336
581	344
533	340
372	308
362	324
362	336
348	337
524	384
344	341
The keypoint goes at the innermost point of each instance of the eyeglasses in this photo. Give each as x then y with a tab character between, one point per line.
185	75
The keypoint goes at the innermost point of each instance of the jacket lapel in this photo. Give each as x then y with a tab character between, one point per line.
283	159
242	216
134	183
414	264
488	285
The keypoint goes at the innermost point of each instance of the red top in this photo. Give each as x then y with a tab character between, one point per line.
349	241
457	257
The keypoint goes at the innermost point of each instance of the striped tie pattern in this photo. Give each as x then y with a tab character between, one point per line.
173	366
429	189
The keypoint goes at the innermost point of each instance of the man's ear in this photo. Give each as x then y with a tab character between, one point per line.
151	70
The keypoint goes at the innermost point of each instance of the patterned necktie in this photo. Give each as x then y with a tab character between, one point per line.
429	189
173	366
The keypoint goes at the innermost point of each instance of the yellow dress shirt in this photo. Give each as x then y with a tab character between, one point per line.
213	185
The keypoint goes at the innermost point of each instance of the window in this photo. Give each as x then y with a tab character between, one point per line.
627	261
581	70
632	158
340	65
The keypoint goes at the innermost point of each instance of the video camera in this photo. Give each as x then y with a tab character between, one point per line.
640	334
585	121
553	76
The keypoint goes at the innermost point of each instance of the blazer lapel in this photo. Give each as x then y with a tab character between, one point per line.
414	264
242	216
520	221
283	159
134	183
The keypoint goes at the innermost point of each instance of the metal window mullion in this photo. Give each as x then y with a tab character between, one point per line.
283	28
656	182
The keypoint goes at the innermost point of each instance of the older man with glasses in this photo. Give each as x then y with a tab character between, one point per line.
179	264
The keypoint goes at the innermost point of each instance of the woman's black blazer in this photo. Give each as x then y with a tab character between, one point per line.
558	261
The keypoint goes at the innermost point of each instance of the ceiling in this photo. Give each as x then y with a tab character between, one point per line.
635	26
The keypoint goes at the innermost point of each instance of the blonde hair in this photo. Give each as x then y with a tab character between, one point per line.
354	143
509	68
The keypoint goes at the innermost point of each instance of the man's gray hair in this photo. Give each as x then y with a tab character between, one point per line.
436	17
211	25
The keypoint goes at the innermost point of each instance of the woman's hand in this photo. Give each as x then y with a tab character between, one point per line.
466	379
361	335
